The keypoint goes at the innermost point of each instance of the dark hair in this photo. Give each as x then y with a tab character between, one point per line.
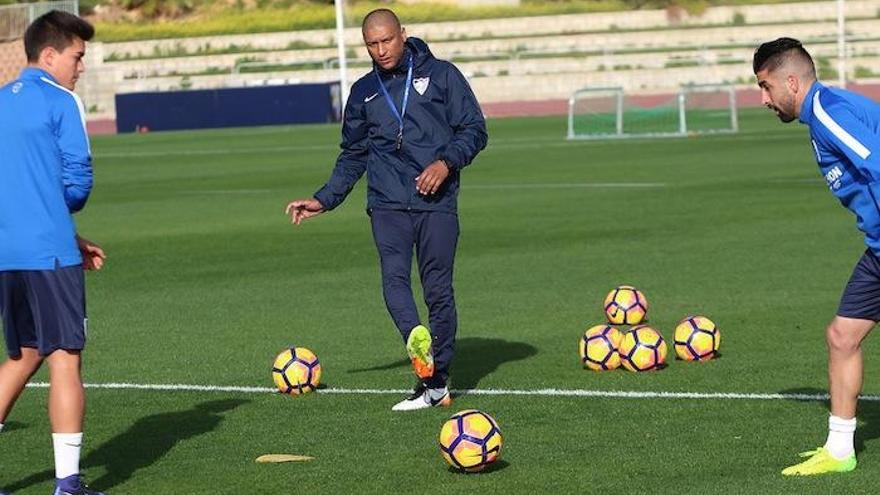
773	54
56	29
381	15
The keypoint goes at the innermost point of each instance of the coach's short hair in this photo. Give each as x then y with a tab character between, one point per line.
381	15
774	54
56	29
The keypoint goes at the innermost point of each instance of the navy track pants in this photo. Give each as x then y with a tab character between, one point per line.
434	236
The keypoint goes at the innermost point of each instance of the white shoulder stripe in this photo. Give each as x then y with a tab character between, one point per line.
839	132
79	105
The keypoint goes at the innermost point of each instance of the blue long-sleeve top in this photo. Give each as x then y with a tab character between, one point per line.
45	172
845	132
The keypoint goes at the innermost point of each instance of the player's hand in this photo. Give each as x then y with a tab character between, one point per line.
430	180
92	254
302	209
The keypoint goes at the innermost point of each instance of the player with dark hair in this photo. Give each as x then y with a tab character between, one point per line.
844	133
412	124
46	173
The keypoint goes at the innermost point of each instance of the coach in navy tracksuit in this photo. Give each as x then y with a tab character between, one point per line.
412	124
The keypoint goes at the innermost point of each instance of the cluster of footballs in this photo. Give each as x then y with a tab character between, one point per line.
470	440
642	348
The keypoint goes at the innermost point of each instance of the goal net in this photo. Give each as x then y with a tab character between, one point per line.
598	113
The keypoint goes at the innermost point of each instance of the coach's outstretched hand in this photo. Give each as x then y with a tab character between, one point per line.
92	254
301	209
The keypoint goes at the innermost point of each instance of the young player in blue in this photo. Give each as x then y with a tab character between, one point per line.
845	136
45	176
411	124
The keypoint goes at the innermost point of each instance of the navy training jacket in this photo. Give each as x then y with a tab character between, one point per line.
443	121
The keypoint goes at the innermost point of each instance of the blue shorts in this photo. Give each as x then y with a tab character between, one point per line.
43	309
861	297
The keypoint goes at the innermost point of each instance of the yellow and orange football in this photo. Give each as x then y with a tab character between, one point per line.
696	338
296	371
598	348
470	440
626	305
642	349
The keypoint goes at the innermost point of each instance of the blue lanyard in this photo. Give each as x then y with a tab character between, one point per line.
402	113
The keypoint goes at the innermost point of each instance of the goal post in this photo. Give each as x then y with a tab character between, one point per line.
595	111
709	108
609	112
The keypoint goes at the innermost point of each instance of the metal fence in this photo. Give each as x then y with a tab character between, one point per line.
14	19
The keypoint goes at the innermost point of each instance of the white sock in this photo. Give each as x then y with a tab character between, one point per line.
840	437
67	448
1	426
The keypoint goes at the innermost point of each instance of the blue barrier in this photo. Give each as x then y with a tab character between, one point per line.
228	107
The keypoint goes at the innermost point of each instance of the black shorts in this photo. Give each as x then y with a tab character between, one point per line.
43	309
861	297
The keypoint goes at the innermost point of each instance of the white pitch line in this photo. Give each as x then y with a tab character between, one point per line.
181	387
568	185
547	392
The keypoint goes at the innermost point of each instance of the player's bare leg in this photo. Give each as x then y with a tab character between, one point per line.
66	394
14	375
66	411
844	337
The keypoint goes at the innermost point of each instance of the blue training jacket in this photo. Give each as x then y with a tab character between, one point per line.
845	130
45	172
442	121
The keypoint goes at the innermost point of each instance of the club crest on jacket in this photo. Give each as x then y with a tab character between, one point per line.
421	84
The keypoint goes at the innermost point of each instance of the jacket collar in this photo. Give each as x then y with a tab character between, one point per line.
807	106
402	64
31	72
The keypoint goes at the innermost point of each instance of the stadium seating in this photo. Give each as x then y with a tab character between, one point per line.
536	58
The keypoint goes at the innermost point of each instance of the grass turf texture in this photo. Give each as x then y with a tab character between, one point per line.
206	282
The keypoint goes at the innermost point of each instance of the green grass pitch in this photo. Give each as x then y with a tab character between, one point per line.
206	281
